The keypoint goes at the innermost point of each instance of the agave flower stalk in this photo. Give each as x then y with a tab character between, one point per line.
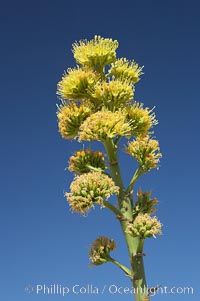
98	105
134	245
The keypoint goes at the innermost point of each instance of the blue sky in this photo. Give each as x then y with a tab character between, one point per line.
42	242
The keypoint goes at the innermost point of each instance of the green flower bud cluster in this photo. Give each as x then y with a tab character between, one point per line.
144	226
70	118
84	161
89	189
146	151
144	204
100	250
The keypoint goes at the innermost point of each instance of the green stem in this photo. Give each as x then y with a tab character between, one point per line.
135	177
139	279
134	244
93	168
127	271
114	165
116	141
112	208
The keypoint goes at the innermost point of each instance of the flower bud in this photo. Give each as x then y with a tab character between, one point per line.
100	250
70	117
144	226
85	160
89	189
144	204
146	151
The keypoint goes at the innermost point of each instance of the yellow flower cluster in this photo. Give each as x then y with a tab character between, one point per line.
104	124
95	53
75	84
70	117
141	119
146	151
124	69
89	189
113	94
144	226
100	250
86	160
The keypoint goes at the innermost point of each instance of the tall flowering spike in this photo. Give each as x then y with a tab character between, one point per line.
113	94
70	117
144	204
146	151
95	53
141	119
86	160
124	69
89	189
98	105
75	84
144	226
100	250
104	124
